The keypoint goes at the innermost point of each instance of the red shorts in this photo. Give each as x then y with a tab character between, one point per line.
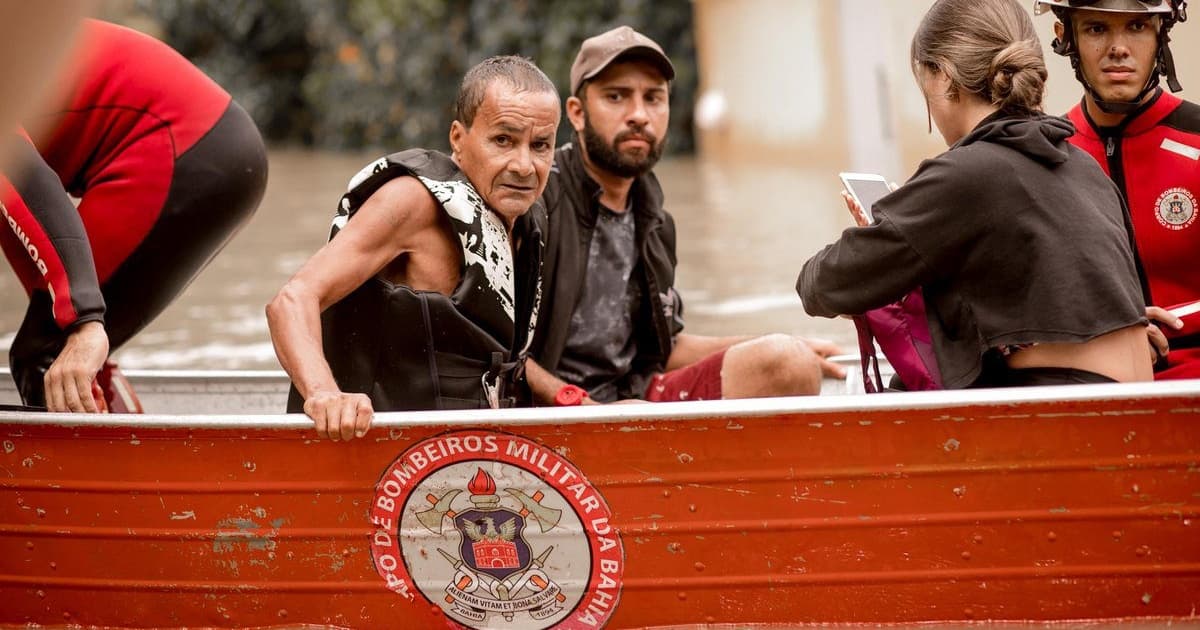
698	381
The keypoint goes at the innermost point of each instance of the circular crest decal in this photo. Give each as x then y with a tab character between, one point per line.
498	532
1175	208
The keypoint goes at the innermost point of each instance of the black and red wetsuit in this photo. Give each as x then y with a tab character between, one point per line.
166	168
1154	158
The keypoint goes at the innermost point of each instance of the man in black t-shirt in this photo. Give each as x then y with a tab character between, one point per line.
610	327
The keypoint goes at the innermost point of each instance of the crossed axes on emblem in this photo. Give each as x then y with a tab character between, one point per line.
432	519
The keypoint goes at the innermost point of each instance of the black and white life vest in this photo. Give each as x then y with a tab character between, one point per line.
411	349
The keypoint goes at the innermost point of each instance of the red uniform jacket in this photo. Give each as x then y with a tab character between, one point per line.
1154	158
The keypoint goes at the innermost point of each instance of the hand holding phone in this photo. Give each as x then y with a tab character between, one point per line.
864	189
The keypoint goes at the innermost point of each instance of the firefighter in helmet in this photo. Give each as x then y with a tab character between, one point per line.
1148	141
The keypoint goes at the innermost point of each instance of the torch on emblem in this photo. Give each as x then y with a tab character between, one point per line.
496	571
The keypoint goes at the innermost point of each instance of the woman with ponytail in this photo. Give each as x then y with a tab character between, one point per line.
1017	239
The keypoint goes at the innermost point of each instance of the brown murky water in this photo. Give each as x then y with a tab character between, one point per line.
744	232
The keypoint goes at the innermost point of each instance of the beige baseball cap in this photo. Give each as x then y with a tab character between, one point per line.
598	52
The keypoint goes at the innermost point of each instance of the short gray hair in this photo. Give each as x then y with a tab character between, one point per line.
519	72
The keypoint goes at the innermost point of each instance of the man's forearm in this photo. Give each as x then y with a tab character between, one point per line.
542	384
40	211
294	321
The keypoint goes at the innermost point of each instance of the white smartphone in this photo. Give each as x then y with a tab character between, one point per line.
866	188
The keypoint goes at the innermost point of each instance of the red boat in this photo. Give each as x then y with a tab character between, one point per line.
1031	505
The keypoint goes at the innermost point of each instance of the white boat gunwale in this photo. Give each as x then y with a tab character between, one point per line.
682	411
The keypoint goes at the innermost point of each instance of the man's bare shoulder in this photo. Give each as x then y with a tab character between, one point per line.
403	202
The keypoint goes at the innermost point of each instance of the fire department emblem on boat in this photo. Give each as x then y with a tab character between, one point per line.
1176	208
496	531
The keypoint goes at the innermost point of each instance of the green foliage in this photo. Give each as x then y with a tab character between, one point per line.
383	73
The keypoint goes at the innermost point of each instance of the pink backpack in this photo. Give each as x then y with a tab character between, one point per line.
902	330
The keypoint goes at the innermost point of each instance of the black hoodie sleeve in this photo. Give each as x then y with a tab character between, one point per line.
920	232
866	268
929	229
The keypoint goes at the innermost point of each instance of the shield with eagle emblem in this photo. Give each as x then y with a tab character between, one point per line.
493	541
493	536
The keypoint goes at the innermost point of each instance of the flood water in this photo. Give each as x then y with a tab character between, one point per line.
744	231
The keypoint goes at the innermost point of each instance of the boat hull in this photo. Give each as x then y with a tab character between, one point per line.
1045	504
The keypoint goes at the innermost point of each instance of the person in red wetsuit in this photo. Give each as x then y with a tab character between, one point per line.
166	167
1147	140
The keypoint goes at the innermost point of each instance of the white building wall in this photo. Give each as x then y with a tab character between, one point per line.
828	82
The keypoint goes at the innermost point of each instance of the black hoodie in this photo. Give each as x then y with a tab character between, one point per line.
1015	235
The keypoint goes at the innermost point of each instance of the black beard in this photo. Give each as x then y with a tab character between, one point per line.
606	156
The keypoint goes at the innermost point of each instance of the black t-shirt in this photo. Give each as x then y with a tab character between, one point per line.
600	343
